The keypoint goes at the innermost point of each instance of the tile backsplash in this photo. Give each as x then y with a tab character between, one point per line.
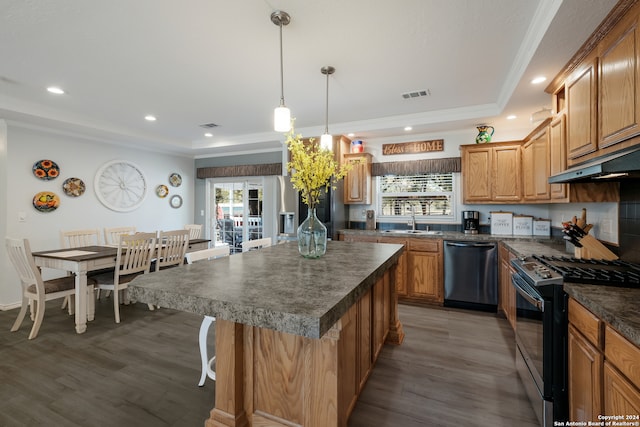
629	220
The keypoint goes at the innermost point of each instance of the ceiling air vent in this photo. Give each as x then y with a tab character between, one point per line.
209	125
416	94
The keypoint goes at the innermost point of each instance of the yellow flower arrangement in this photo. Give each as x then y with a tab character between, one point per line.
312	168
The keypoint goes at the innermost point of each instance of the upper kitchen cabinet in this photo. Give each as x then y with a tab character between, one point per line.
357	183
491	172
557	155
581	91
619	83
535	165
599	90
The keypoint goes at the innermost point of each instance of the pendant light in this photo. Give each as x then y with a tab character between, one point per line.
326	140
281	115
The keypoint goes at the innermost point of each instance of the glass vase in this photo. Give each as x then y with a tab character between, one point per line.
312	236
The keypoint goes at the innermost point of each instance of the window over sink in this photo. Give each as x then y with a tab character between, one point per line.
428	196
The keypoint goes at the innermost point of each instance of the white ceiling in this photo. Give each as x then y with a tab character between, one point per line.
210	61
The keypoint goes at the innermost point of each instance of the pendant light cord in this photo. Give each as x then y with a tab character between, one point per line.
281	70
326	111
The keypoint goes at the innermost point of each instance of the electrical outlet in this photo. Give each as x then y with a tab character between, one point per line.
364	213
22	216
201	212
606	226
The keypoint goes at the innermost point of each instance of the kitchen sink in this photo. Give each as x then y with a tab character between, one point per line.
436	232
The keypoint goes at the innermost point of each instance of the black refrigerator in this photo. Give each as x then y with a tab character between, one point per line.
331	210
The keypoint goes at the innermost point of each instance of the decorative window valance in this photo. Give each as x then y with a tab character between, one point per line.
240	170
413	167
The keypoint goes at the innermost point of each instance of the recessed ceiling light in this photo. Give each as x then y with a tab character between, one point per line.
208	135
511	117
408	128
351	135
538	80
56	90
150	118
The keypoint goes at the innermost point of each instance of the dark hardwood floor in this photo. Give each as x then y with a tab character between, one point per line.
455	368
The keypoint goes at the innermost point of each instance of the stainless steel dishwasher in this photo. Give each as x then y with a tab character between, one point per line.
471	275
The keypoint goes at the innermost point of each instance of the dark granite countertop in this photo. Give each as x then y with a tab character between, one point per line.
448	235
274	287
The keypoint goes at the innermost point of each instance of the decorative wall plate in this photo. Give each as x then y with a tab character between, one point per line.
46	201
162	191
73	187
175	201
46	170
120	185
175	180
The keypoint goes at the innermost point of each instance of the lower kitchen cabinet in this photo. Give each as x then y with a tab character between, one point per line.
507	293
585	377
604	368
621	375
585	363
425	279
401	268
364	330
419	273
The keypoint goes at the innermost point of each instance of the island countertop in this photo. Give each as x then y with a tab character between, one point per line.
274	287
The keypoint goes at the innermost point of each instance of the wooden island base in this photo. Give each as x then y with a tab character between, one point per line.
270	378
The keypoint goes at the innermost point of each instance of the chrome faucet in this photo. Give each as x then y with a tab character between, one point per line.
413	219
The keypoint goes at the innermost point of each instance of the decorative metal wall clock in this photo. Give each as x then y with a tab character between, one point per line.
120	185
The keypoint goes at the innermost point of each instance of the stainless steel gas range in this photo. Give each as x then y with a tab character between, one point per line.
541	322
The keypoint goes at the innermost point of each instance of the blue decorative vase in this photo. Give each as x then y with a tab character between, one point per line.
484	134
312	236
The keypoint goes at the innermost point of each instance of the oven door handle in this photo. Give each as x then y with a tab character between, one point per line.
537	302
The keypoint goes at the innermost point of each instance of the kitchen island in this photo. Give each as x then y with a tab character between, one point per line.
296	338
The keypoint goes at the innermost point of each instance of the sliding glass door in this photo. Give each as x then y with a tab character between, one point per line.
236	211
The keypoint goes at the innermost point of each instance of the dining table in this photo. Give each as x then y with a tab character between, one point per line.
82	260
79	261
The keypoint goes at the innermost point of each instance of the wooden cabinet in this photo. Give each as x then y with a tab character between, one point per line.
535	166
621	375
585	363
619	83
581	110
401	268
357	183
491	173
604	368
425	278
557	155
600	88
419	274
621	396
507	296
364	330
585	377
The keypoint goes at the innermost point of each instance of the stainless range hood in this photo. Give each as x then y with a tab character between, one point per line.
617	166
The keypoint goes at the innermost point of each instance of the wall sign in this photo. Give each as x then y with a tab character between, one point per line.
413	147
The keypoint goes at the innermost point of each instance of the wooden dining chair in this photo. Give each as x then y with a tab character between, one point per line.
135	253
76	239
256	244
112	234
207	363
172	247
195	230
79	238
35	290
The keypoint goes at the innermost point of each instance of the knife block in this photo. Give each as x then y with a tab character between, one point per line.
593	249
